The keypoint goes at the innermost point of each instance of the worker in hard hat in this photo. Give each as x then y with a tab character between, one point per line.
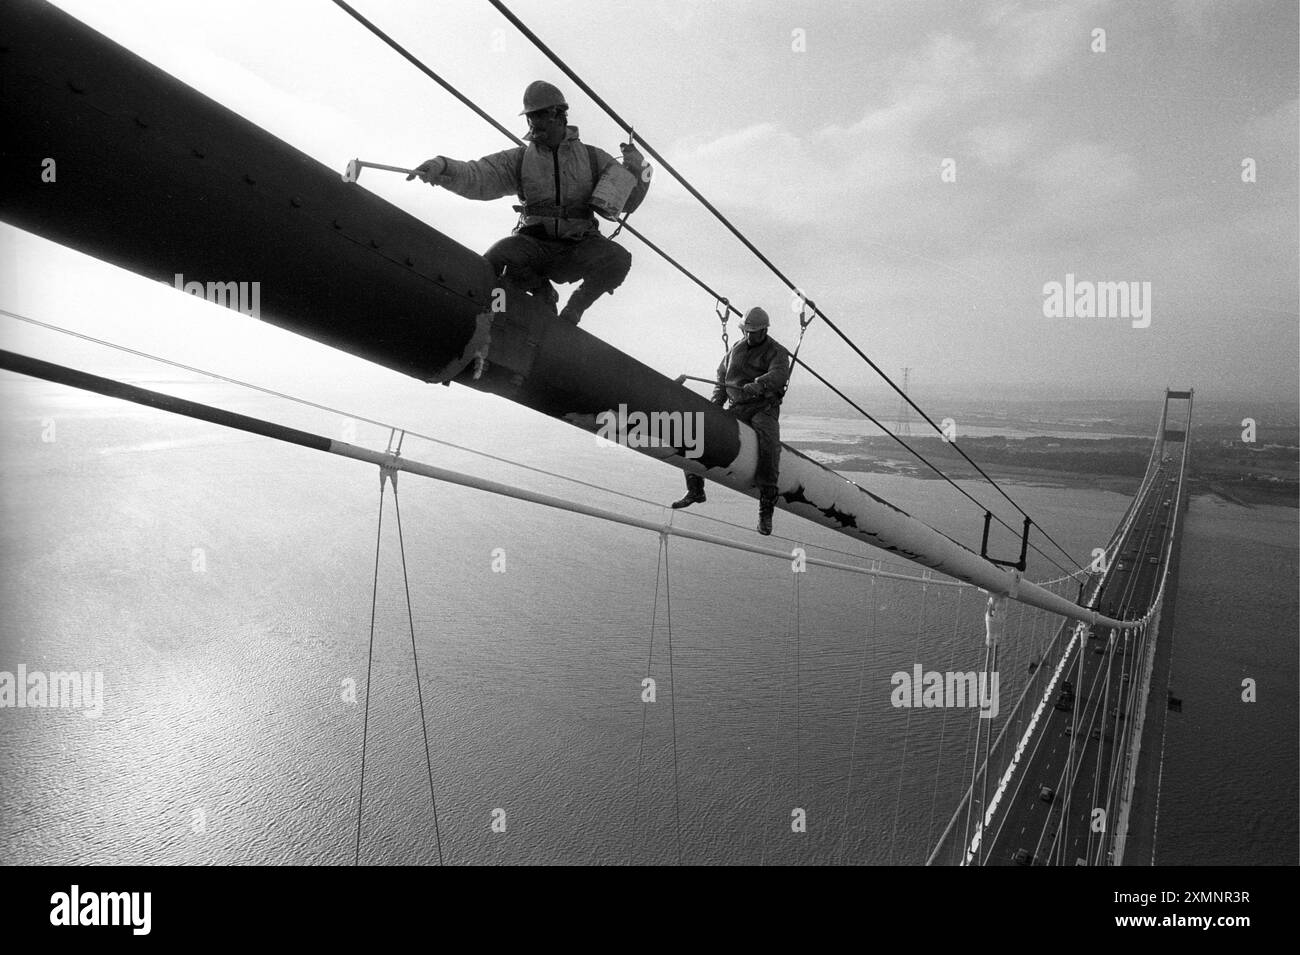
560	182
753	377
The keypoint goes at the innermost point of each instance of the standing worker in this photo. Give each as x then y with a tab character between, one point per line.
753	377
560	182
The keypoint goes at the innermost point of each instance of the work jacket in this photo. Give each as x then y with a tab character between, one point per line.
766	365
554	186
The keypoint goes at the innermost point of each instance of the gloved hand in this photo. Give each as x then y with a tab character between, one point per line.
429	169
632	158
751	389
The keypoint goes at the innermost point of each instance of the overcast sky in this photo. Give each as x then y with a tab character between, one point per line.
827	147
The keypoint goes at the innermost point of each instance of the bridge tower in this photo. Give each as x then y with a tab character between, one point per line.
903	420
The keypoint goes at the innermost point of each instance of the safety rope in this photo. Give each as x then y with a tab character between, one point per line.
644	175
805	319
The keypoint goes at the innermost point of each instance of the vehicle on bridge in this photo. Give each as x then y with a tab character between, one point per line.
1065	702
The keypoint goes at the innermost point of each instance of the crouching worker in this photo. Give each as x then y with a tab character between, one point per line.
560	182
752	377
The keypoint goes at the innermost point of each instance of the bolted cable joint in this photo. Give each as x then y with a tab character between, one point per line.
392	454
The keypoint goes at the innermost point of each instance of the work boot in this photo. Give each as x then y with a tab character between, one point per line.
579	302
766	505
694	492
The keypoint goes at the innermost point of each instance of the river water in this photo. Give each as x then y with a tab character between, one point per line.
221	584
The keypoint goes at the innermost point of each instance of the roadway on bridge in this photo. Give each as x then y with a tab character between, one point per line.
1072	767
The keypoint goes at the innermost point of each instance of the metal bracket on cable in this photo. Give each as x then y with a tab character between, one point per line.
723	310
1024	545
388	472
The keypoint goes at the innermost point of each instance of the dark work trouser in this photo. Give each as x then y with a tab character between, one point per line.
600	264
762	416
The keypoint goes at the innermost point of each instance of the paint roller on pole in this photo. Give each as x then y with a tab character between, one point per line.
353	172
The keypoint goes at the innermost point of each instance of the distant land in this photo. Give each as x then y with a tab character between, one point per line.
1084	443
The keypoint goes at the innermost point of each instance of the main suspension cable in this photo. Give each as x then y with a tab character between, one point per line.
415	61
596	98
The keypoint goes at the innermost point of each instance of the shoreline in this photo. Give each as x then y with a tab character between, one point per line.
1248	497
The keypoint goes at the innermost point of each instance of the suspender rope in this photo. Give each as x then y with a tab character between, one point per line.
672	684
649	664
389	473
857	718
365	725
419	692
672	699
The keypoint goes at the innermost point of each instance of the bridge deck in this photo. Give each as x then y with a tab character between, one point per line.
1080	749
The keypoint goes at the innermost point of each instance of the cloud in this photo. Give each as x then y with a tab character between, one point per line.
1035	39
944	62
1275	129
836	171
999	145
1077	179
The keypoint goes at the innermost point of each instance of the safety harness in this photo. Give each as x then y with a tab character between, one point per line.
550	210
